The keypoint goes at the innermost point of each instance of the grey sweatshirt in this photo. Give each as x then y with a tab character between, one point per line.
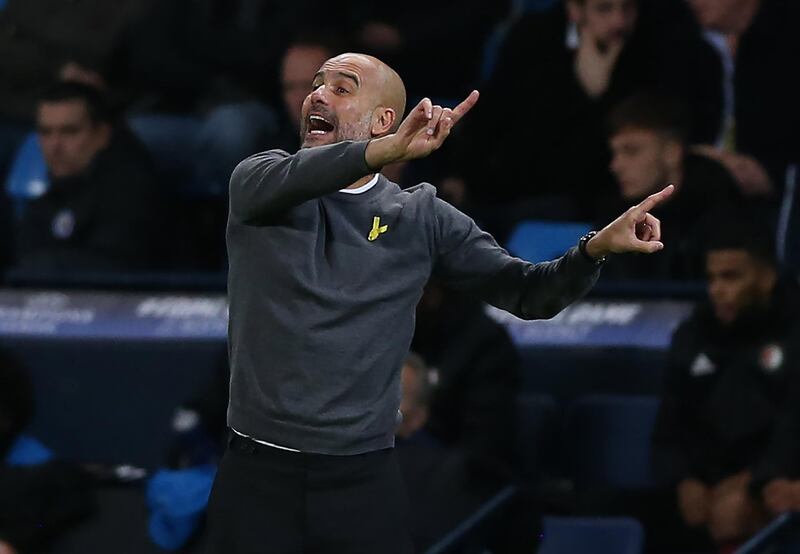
323	287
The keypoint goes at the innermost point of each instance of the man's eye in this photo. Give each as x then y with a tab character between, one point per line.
341	90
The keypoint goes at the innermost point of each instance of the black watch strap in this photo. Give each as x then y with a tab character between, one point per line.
582	248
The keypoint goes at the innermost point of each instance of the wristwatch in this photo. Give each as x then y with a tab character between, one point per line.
582	249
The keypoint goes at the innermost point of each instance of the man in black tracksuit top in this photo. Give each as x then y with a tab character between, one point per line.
727	388
328	260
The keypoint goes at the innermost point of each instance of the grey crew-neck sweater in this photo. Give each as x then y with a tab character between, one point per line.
323	287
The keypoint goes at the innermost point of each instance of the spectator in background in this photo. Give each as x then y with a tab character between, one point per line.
208	73
42	40
442	485
556	76
102	210
476	371
729	366
757	45
302	59
648	141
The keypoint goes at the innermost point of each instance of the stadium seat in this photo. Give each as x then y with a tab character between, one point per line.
27	177
537	241
567	535
536	431
608	441
112	402
568	373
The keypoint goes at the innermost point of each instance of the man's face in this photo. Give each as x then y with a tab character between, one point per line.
341	103
300	64
68	137
641	161
718	15
605	21
736	283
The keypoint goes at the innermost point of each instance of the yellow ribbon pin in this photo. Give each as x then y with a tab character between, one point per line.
377	229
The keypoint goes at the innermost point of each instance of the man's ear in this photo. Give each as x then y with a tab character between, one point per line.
383	121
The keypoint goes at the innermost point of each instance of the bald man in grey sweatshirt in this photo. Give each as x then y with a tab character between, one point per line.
328	260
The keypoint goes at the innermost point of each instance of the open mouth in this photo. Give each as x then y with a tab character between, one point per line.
318	125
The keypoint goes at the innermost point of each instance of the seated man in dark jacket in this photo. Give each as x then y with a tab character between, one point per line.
729	366
648	139
101	210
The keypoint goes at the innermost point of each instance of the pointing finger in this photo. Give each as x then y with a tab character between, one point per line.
465	106
655	199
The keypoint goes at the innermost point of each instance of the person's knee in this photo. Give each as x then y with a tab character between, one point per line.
731	516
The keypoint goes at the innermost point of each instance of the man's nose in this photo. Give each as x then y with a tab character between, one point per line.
319	95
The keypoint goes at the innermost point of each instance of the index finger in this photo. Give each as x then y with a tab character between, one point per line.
655	199
465	106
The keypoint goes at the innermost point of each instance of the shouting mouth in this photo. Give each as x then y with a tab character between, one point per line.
319	125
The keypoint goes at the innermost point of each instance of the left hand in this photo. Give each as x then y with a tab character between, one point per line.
634	231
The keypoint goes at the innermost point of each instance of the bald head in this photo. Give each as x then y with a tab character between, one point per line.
354	97
383	82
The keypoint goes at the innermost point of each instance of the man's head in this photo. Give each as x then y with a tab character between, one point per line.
74	124
301	60
725	16
647	138
606	21
740	268
415	402
353	97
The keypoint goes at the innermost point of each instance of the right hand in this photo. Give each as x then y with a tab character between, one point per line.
694	499
423	130
6	548
593	65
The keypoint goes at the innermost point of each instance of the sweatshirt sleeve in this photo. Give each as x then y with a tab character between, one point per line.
270	183
471	260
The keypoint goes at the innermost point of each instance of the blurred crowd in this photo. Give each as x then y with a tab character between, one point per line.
120	125
121	122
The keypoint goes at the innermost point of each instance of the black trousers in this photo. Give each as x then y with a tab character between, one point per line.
270	501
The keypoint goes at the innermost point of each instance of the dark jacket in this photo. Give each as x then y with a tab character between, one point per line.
106	219
542	135
767	88
725	389
478	372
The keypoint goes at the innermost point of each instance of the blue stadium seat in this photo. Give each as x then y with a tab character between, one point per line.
537	241
27	178
572	535
112	402
536	432
608	441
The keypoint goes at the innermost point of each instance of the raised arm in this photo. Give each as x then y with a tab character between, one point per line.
471	260
269	183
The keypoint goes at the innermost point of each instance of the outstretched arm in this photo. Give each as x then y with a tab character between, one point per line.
471	260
